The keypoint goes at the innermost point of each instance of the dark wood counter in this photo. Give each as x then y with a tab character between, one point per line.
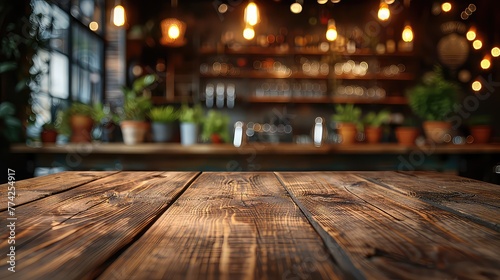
258	148
475	161
251	225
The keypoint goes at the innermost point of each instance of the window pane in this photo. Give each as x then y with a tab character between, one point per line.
59	80
59	36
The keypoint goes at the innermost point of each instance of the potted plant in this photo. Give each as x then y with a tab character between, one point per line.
105	123
77	122
433	101
480	128
407	133
135	108
48	133
348	122
373	125
163	122
215	127
190	118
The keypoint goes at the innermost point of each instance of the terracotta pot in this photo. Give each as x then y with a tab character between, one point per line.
481	133
81	128
48	136
216	139
436	131
348	133
373	134
134	131
407	135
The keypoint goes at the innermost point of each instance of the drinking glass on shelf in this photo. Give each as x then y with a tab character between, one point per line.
219	91
209	95
231	95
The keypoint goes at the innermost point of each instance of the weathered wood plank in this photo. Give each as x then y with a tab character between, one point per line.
469	198
389	235
71	235
228	226
35	188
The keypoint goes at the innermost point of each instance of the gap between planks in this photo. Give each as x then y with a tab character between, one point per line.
112	258
336	251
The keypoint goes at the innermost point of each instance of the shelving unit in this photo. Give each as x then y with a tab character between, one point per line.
239	67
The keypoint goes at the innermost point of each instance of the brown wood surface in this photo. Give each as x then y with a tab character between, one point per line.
390	235
472	199
228	226
70	235
254	225
35	188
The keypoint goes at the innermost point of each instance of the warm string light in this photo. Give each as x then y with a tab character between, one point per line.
296	7
118	15
471	34
251	14
476	86
248	33
495	52
486	62
331	32
446	7
383	11
477	44
407	34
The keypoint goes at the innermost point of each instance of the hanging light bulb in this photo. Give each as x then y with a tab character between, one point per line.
296	7
476	86
477	44
495	51
248	33
471	34
118	15
331	32
173	30
251	14
383	11
446	7
486	62
322	2
407	34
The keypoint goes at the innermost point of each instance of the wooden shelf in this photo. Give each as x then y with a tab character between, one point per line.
274	51
288	99
399	77
265	75
390	100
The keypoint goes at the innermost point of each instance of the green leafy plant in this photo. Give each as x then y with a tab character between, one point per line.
479	120
62	122
191	114
166	114
434	98
136	105
215	123
9	124
375	119
347	113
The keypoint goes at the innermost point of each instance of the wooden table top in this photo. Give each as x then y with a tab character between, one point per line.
252	225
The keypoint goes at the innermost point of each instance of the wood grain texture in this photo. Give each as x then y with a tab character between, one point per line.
228	226
475	200
390	235
71	235
35	188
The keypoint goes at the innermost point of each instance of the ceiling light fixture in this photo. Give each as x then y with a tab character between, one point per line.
296	7
331	32
118	14
407	34
173	30
251	14
383	11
